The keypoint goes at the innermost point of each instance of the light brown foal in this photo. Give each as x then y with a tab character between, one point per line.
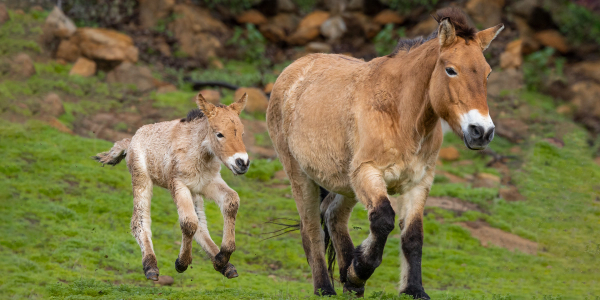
185	156
363	130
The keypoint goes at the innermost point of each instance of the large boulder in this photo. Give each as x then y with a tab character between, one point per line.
68	51
370	28
83	67
279	27
388	16
129	73
105	44
252	16
512	56
552	38
486	13
333	28
58	25
212	96
198	33
150	11
308	29
257	100
22	66
3	14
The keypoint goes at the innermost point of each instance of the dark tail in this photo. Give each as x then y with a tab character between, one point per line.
329	249
197	85
115	155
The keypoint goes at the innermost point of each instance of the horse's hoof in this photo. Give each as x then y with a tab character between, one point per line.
359	292
179	267
229	271
152	275
416	293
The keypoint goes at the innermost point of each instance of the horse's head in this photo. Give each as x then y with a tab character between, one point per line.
458	87
225	133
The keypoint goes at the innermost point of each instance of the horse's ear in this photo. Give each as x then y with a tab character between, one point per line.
446	33
239	105
485	37
207	108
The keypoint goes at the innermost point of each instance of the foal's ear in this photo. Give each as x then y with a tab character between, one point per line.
239	105
485	37
207	108
446	33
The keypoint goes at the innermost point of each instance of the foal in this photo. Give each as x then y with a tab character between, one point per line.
184	156
363	130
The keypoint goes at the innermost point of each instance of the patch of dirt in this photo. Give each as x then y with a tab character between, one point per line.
252	127
489	235
453	204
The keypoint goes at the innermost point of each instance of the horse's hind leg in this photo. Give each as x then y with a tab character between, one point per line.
336	210
371	190
228	201
188	221
140	222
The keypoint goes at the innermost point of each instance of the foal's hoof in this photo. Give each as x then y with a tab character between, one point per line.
229	271
152	274
179	267
351	289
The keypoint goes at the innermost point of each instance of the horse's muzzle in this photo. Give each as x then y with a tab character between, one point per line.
477	138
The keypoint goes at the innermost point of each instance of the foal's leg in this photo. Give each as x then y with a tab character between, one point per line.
202	235
188	221
411	207
229	201
140	222
370	189
336	212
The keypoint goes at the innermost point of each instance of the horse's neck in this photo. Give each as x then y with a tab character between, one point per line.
410	74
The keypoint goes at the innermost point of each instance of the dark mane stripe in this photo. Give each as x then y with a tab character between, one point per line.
456	16
194	114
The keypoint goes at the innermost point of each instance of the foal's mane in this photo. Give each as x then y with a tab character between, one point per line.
456	16
196	114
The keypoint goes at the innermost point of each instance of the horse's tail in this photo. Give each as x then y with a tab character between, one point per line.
329	249
115	155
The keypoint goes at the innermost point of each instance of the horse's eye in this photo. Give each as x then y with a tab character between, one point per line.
220	135
451	72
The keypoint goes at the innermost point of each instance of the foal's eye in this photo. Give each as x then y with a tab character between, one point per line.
451	72
220	135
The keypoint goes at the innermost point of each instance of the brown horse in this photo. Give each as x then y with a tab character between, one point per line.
185	156
363	130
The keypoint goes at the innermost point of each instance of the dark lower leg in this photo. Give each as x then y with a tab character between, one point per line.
412	249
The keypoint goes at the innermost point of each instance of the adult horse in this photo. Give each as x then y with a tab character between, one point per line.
363	130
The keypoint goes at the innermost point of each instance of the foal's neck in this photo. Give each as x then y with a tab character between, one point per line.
410	74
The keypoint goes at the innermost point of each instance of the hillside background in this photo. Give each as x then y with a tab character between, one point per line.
520	220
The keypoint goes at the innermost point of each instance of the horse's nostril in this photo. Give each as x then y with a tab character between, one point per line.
239	162
489	136
476	131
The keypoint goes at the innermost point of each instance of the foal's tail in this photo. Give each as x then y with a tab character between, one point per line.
329	249
115	155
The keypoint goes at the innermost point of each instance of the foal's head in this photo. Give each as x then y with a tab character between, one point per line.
225	133
458	87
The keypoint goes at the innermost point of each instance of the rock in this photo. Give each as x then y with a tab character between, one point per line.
512	129
68	51
54	122
505	80
212	96
486	13
252	16
286	6
585	98
526	34
486	180
388	16
199	35
58	25
524	8
449	153
424	28
512	57
150	11
168	88
552	38
52	105
257	100
83	67
128	73
317	47
268	87
279	27
165	280
105	44
589	69
217	64
308	29
370	28
333	28
161	45
4	17
22	66
511	193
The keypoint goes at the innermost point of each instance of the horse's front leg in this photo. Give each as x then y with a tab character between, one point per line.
228	201
188	221
370	189
410	212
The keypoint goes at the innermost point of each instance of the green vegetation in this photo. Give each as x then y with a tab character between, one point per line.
577	23
20	34
252	43
405	6
541	67
385	41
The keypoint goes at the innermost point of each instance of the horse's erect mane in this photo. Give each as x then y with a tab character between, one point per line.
456	16
196	114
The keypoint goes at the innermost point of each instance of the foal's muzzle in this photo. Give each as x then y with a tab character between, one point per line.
477	138
241	166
